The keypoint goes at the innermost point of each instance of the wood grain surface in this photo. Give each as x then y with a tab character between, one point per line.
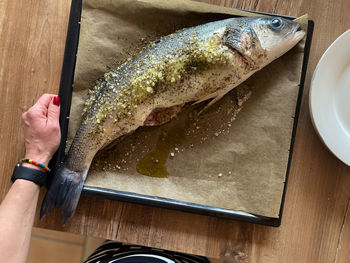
316	220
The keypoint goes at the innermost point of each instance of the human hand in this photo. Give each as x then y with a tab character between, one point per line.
41	129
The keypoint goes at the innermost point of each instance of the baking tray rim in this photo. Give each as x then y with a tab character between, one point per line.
65	93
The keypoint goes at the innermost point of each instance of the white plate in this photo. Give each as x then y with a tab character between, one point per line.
330	97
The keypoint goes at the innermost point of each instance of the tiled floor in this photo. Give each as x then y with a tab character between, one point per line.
56	247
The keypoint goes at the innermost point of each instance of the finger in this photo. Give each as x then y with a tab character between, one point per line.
43	103
53	113
44	100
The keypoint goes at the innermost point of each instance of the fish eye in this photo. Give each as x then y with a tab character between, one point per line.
276	23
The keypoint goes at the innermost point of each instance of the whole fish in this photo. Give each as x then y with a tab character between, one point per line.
191	65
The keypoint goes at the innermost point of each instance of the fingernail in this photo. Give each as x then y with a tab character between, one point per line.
56	100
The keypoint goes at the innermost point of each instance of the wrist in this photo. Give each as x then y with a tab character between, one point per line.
35	163
29	165
26	184
29	174
44	159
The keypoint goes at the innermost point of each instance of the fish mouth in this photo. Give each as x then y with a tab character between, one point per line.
297	27
294	35
298	33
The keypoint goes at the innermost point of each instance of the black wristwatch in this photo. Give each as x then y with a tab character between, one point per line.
30	174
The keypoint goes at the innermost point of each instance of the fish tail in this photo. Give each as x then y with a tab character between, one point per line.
64	191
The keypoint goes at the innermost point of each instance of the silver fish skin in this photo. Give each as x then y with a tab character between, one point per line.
192	65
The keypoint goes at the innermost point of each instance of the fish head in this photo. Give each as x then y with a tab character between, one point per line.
277	35
260	40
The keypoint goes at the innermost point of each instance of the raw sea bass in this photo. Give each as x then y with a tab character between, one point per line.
191	65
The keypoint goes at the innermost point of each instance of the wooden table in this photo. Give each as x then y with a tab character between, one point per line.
316	221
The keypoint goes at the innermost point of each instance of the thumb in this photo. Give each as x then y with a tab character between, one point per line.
53	111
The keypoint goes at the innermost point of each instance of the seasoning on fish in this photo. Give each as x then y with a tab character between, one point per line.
191	65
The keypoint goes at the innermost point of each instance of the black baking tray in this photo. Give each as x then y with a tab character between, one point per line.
65	93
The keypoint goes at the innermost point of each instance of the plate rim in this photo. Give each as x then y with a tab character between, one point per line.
316	125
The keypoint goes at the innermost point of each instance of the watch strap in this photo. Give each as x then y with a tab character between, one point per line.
30	174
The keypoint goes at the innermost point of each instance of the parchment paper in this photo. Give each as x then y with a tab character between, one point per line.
225	159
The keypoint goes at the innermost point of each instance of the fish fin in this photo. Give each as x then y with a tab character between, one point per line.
216	97
212	102
64	191
208	97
